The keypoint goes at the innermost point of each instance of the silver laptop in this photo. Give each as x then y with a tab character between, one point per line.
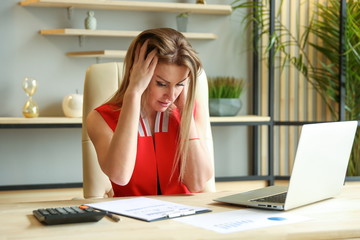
318	173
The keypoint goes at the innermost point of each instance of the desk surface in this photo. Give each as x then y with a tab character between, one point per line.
330	219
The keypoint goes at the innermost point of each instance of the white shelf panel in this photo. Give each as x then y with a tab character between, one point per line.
133	6
40	120
98	54
114	33
242	118
66	120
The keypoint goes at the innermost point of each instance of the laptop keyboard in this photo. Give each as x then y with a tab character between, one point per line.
278	198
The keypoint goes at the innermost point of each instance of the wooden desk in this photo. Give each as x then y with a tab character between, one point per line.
331	219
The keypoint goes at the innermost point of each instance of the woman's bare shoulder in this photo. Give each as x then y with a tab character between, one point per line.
93	117
95	122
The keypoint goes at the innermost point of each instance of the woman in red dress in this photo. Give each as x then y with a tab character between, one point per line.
149	137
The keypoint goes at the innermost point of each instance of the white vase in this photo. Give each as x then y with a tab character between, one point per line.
181	23
90	21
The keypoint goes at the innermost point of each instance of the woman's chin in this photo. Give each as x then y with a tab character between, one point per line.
161	109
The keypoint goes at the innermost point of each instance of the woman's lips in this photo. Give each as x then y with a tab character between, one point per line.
164	104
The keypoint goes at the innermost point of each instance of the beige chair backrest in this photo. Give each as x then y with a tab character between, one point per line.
101	82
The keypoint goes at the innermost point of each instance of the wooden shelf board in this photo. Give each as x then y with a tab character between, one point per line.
99	54
114	33
66	120
40	120
209	36
133	6
242	118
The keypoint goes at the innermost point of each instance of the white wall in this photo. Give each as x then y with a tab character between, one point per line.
38	156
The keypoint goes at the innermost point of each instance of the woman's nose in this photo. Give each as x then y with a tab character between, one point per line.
171	93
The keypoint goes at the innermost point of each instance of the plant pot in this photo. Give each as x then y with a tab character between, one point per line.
224	106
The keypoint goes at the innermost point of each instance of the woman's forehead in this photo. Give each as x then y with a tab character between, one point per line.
171	73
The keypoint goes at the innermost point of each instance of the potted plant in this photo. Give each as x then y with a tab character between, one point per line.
224	95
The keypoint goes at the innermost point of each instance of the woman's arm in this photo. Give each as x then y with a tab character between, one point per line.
199	166
117	150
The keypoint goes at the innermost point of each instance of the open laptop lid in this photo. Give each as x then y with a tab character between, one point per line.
319	170
321	162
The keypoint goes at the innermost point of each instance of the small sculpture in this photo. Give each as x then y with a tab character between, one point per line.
90	21
72	105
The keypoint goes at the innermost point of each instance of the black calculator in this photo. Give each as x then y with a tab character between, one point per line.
62	215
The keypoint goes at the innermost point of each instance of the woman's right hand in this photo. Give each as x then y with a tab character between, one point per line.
143	68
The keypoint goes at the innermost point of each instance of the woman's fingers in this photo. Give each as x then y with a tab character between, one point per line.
143	68
142	51
137	52
153	64
150	58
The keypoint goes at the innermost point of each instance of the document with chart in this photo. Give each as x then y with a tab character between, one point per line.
242	220
148	209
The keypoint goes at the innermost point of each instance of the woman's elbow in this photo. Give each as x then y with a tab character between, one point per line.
198	185
119	179
194	188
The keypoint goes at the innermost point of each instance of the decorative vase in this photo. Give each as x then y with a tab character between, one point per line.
90	21
181	22
72	105
224	106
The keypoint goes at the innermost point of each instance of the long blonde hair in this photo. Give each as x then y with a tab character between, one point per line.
172	48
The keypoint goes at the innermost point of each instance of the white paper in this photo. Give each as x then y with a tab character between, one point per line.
241	220
147	209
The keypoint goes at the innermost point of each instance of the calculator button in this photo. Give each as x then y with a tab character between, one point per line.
52	211
43	211
78	210
61	210
89	209
69	210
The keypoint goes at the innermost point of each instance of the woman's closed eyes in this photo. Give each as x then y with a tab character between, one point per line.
164	84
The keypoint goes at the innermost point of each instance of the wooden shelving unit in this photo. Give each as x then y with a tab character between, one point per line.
132	6
114	33
212	9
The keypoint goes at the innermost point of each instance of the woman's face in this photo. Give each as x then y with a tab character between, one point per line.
167	83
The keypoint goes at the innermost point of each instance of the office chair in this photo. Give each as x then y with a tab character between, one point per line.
101	82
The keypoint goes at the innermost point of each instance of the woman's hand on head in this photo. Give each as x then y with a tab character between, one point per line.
143	68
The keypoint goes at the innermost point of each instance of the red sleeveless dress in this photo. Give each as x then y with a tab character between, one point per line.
155	155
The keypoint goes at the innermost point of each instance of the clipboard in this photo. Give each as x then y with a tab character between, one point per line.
147	209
